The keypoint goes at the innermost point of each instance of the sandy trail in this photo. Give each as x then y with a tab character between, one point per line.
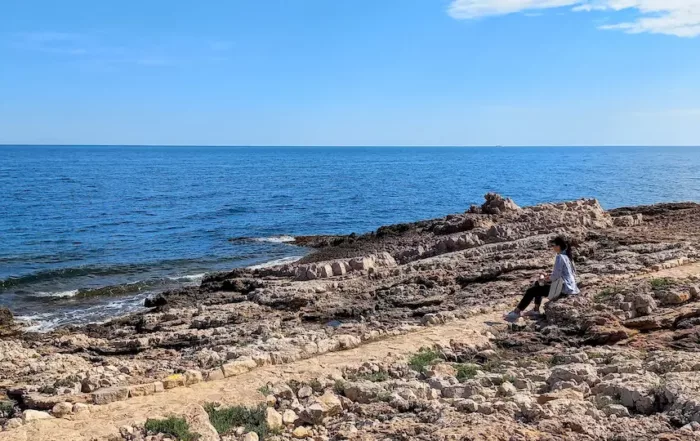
104	421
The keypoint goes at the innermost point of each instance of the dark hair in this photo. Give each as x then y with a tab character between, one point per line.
565	245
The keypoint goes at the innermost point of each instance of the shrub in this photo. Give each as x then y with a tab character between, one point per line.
175	427
225	419
466	371
374	377
424	358
7	408
661	283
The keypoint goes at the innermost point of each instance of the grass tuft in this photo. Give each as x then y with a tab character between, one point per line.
173	426
607	293
7	408
661	283
225	419
423	359
466	371
374	377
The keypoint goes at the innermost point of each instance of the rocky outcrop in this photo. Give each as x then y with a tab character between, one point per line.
368	287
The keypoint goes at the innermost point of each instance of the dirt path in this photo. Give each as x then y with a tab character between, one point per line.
105	421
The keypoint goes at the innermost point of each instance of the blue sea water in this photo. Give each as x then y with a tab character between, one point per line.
130	221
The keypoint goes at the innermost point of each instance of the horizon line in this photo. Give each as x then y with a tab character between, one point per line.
356	146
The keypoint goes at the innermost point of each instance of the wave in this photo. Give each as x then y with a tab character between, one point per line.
58	294
271	239
104	291
91	271
276	262
66	273
188	278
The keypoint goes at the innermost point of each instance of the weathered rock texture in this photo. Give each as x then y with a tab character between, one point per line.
618	362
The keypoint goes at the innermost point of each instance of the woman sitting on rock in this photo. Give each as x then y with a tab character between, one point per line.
561	281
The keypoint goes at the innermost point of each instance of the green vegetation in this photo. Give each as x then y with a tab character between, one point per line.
225	419
466	371
6	409
265	390
607	293
339	387
509	378
174	427
384	396
316	385
425	357
374	377
493	366
661	283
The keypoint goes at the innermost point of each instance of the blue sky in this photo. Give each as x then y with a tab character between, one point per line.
360	72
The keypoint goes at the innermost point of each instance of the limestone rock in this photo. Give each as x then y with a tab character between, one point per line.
302	432
289	417
198	420
251	436
62	409
33	415
273	418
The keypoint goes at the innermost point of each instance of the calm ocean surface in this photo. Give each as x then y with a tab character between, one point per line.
88	232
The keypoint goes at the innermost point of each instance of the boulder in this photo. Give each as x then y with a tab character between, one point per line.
6	317
340	268
110	395
274	419
289	417
348	341
13	423
576	372
238	367
198	420
361	263
496	204
33	415
362	392
62	409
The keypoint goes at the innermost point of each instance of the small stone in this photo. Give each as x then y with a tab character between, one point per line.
301	432
506	389
617	410
193	377
251	436
110	395
13	423
81	409
173	381
289	417
270	400
62	409
305	392
273	419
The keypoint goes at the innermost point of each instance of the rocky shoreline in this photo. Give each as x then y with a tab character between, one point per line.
620	362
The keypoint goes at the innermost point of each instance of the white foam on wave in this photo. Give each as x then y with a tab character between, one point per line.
70	293
189	277
48	321
276	239
276	262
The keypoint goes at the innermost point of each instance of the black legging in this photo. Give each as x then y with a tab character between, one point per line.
536	292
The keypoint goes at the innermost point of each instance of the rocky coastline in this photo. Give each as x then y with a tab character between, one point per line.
620	362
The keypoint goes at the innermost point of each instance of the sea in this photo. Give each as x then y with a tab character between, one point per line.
88	232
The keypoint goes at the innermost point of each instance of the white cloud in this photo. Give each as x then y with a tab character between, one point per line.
671	17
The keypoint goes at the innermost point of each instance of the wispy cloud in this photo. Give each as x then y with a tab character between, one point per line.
680	18
99	49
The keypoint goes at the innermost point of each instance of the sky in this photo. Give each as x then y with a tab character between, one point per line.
350	72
